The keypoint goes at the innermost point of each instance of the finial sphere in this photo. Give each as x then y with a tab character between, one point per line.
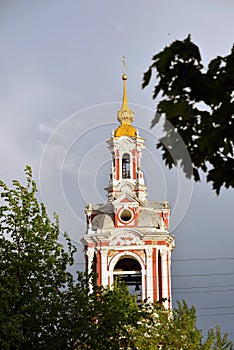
124	77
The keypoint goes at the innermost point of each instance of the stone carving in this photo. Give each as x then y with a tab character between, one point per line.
125	145
162	225
126	188
90	253
149	253
125	239
163	252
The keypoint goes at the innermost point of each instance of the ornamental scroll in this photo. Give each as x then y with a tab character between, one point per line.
125	239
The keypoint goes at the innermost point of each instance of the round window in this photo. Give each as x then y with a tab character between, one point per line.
126	215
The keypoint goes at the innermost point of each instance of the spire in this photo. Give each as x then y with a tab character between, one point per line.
124	78
125	115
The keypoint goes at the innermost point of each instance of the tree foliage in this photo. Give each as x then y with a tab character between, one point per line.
44	307
101	316
33	267
215	340
199	104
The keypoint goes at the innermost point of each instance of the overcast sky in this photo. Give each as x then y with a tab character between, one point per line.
60	69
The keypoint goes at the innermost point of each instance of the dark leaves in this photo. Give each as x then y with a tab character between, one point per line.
155	119
146	78
199	106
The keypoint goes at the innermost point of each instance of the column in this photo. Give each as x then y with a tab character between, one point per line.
149	274
169	280
143	284
104	267
163	254
90	255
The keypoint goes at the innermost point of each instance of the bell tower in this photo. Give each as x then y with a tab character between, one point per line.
126	148
128	236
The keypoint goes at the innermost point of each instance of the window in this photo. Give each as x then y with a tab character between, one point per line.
126	166
126	215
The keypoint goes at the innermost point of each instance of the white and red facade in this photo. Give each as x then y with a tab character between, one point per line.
129	236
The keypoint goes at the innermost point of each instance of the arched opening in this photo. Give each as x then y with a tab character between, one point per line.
129	270
126	166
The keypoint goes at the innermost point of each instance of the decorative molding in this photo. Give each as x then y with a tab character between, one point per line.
126	188
127	238
90	253
149	252
163	252
125	145
104	252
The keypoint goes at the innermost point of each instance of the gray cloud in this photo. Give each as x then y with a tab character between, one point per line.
58	58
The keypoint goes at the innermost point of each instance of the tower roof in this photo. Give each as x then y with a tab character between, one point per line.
125	115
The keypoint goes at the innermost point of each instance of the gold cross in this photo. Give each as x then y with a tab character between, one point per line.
124	64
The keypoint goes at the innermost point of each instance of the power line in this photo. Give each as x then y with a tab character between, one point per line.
193	259
197	259
215	307
200	259
190	275
226	314
205	274
205	287
204	291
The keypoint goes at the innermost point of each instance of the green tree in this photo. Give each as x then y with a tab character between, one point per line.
33	270
175	329
101	316
215	340
182	332
199	104
44	307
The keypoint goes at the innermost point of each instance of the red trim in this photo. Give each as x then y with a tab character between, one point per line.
168	282
159	276
134	164
154	263
162	243
148	242
99	268
117	164
125	200
146	287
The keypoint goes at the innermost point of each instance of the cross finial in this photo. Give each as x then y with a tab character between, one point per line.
124	64
125	115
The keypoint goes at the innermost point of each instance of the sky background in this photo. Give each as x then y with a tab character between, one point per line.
60	69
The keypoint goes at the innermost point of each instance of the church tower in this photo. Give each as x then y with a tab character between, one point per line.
128	236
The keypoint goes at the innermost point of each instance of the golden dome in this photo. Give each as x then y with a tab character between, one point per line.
125	130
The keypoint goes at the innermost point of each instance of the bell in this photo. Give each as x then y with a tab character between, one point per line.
137	287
